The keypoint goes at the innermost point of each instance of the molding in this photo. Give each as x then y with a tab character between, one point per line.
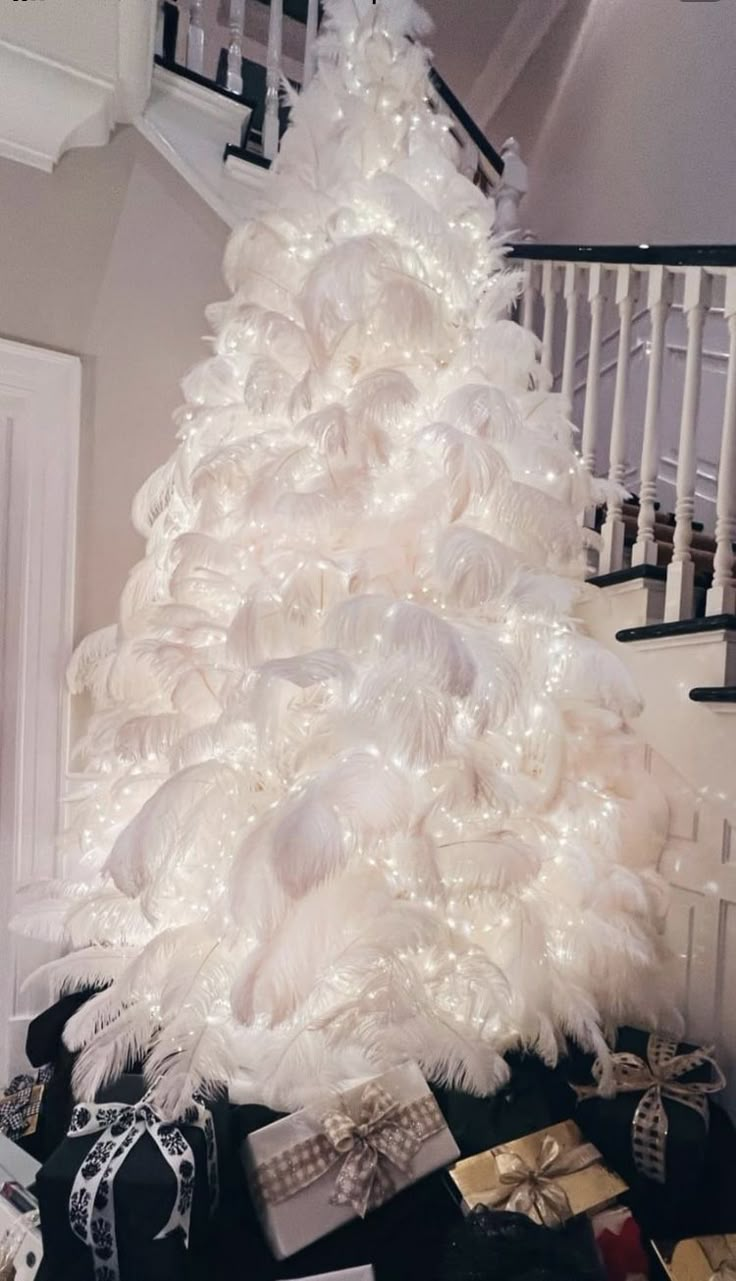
190	126
39	434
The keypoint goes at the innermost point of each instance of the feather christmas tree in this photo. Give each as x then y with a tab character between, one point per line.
360	787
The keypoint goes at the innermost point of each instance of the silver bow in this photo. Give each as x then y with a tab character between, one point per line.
658	1078
369	1146
91	1204
533	1189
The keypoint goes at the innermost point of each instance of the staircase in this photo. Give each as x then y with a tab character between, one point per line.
641	344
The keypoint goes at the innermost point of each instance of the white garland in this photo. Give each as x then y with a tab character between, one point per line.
362	790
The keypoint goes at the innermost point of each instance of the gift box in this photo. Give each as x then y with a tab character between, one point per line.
351	1274
126	1194
619	1241
550	1176
20	1239
654	1129
699	1259
315	1171
493	1245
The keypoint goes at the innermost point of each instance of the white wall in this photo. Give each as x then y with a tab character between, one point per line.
627	116
112	258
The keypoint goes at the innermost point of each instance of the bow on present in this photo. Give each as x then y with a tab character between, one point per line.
659	1077
21	1102
723	1264
381	1137
532	1189
91	1205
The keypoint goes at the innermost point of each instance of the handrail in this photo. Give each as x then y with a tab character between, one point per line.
632	255
466	121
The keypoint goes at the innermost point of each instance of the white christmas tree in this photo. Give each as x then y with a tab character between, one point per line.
360	782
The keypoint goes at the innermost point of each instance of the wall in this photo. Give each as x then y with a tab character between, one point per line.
627	118
111	257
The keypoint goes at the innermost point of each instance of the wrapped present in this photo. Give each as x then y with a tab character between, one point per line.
494	1245
351	1274
313	1172
654	1129
127	1192
549	1176
20	1104
699	1259
534	1097
619	1241
20	1238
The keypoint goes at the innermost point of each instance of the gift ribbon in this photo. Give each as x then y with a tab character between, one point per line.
19	1105
120	1126
383	1136
532	1188
659	1078
725	1269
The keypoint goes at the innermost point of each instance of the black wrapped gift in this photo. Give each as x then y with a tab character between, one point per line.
494	1245
125	1194
654	1129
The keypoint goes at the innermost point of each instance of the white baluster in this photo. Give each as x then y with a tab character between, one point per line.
680	593
659	296
273	80
612	549
512	189
530	290
571	333
310	65
596	298
195	38
722	595
236	23
159	37
550	274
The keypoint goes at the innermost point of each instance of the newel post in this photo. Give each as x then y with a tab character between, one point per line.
513	187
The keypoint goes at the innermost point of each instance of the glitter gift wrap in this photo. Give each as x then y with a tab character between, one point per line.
312	1172
699	1259
550	1176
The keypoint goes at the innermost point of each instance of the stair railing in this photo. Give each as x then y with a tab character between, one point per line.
643	349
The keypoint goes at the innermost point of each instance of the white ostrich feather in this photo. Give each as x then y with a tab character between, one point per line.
475	567
472	466
329	428
410	714
89	655
307	845
154	496
483	411
115	1049
90	967
420	635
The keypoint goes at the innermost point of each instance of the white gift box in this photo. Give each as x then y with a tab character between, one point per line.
313	1172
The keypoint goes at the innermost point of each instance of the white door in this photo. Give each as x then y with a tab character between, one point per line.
39	444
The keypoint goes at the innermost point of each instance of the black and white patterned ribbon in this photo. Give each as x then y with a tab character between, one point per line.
658	1077
21	1102
120	1126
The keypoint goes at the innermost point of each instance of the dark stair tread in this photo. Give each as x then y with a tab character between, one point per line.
652	572
714	694
685	627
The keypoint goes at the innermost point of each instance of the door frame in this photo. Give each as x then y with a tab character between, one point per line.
40	407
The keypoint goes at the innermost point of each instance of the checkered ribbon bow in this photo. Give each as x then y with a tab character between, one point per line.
660	1078
533	1190
19	1105
381	1137
120	1126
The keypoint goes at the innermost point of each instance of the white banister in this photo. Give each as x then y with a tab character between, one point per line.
512	189
612	547
549	298
596	299
570	291
195	38
529	294
721	598
236	23
273	79
680	593
658	300
310	64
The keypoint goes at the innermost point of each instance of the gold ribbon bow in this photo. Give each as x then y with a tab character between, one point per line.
659	1078
533	1190
382	1136
724	1268
725	1271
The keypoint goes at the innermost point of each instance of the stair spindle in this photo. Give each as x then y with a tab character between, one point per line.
529	294
570	291
273	79
158	44
612	549
549	297
310	64
680	594
596	299
236	24
659	297
195	38
721	598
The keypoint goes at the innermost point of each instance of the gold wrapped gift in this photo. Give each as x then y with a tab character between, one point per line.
550	1176
699	1259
